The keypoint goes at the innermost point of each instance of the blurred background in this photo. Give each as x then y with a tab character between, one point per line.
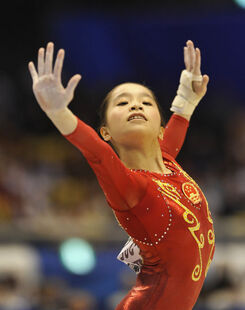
58	238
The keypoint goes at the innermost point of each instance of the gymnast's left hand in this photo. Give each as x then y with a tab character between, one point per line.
193	85
192	59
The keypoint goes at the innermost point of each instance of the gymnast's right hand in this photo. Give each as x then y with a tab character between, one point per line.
47	86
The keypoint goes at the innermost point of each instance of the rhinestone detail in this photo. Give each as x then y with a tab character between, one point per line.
178	173
161	174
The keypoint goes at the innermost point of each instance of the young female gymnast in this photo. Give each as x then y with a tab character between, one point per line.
163	210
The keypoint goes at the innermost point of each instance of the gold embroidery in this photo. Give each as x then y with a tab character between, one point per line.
211	240
170	191
190	179
191	192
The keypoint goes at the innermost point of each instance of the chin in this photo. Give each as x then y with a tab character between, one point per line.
136	135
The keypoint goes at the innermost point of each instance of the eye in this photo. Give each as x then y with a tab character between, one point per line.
122	103
147	103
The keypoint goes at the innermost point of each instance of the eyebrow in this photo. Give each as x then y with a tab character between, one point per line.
126	94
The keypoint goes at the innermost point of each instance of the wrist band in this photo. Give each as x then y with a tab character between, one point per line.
186	100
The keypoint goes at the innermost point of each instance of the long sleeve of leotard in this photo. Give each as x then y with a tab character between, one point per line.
122	187
174	135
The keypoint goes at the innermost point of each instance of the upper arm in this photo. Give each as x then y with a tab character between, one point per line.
122	187
174	135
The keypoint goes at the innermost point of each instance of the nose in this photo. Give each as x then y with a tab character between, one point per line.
136	106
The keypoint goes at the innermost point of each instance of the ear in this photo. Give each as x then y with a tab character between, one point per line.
105	133
161	133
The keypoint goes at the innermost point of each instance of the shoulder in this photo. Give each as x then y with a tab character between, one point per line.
168	157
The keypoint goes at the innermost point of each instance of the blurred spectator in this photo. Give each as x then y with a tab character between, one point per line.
10	296
81	300
51	295
22	263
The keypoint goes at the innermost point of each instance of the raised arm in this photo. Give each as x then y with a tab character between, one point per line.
174	135
192	88
123	188
52	97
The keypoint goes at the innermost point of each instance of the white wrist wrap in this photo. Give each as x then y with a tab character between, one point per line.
186	100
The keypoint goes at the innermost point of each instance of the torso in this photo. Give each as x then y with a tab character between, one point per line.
173	229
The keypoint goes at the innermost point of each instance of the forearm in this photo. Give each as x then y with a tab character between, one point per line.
187	117
64	120
174	135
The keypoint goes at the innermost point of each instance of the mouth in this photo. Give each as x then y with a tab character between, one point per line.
137	116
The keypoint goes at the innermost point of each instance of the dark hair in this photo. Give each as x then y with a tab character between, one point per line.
105	102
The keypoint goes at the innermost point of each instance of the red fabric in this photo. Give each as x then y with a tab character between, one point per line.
175	235
174	135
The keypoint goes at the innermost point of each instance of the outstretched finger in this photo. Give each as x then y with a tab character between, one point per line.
33	72
186	59
59	64
72	84
49	58
191	53
40	61
205	81
197	65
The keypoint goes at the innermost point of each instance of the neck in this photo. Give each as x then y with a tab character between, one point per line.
145	157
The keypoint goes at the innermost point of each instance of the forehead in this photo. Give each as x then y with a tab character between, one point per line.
130	88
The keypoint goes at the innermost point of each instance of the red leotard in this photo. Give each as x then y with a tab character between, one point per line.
167	217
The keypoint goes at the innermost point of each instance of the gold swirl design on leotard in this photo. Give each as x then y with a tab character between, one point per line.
190	179
190	218
169	190
211	241
210	235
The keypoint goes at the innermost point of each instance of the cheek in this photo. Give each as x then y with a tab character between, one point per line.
156	118
114	119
